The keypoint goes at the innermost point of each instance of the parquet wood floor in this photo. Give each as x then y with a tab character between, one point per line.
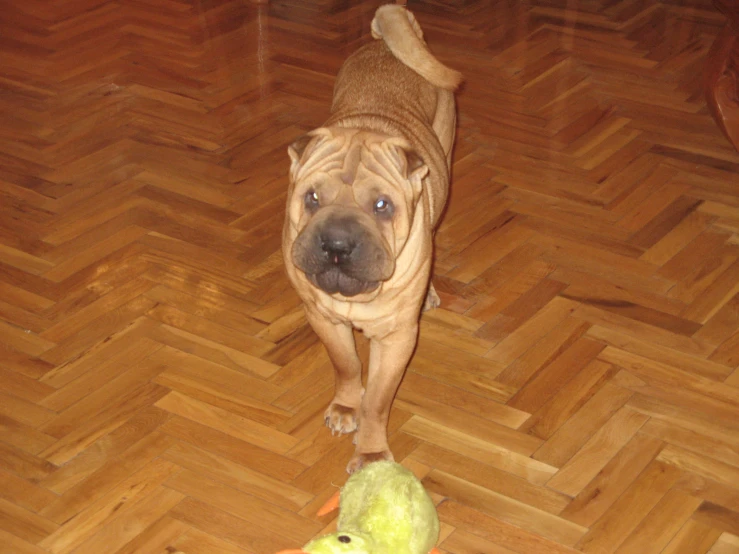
160	390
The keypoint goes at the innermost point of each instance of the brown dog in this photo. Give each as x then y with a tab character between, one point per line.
366	192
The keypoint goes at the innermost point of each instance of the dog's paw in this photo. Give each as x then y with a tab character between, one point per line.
341	419
358	461
432	299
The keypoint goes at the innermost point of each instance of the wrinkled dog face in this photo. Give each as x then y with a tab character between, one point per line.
353	196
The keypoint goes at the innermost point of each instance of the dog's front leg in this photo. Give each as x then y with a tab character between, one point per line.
388	360
343	412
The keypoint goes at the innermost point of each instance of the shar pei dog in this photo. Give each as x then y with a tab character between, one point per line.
366	193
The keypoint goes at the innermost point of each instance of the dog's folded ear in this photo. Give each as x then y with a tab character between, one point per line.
303	147
410	165
296	149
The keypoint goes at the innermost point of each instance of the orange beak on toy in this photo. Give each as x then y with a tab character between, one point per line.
330	505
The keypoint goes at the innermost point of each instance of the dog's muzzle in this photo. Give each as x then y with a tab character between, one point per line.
343	253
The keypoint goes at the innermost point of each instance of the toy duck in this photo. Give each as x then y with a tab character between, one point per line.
384	509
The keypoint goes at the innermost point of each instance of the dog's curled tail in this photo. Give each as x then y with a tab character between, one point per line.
403	36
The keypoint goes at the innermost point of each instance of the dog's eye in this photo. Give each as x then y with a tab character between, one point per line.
311	199
344	539
383	206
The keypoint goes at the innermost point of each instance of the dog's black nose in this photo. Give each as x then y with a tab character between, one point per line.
337	250
337	243
337	246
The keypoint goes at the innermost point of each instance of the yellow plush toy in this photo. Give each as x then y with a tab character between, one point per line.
384	509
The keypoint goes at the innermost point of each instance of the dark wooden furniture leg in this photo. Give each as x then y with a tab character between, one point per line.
722	74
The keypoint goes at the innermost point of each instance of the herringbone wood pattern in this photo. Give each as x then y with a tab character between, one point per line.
160	389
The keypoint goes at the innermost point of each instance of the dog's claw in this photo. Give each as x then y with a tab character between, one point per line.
432	299
340	419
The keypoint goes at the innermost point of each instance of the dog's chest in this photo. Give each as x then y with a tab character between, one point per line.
374	318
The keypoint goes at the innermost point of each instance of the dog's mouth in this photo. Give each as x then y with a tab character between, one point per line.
333	281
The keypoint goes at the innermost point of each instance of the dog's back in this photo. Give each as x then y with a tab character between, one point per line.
373	81
385	73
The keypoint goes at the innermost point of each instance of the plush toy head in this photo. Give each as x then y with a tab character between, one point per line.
384	510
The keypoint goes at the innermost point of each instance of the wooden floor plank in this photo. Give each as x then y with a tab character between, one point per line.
161	390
